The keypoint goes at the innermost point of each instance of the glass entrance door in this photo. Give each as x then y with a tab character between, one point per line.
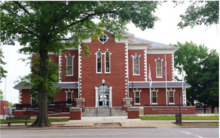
103	95
103	100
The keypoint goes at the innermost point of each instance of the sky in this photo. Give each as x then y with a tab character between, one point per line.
165	31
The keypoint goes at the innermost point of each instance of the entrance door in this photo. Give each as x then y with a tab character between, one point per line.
103	95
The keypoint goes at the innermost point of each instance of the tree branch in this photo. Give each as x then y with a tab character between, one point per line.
90	15
16	2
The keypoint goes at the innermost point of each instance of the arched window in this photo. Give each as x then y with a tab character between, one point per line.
99	62
107	62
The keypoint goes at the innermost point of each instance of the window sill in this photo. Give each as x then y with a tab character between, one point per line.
171	103
98	72
107	72
159	77
69	75
137	104
136	74
154	103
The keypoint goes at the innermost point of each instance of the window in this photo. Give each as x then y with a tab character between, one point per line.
69	97
154	97
159	68
171	97
69	66
137	97
103	39
107	62
136	70
99	62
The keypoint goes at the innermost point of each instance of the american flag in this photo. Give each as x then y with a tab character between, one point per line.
165	68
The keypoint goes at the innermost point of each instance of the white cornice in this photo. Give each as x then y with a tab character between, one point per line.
160	51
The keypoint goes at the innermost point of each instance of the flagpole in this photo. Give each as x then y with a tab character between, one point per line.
150	83
166	76
182	81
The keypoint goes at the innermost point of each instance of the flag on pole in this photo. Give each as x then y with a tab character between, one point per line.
182	74
165	68
149	77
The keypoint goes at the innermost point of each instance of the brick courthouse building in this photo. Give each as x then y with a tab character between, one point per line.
115	69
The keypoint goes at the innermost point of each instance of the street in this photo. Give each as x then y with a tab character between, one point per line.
107	133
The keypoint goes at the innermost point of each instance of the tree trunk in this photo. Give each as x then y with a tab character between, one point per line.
42	116
204	108
212	108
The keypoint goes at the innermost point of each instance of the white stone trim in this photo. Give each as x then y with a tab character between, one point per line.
96	96
173	90
160	51
88	40
97	62
72	65
140	47
126	70
60	66
145	64
109	62
66	91
138	63
172	60
79	70
161	60
184	97
110	96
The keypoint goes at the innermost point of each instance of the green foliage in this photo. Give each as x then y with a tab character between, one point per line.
201	67
200	12
3	121
1	95
2	71
34	80
42	27
11	104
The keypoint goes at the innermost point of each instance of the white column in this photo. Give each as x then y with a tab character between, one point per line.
96	96
110	96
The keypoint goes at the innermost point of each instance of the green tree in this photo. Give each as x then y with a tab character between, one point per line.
190	56
209	80
1	95
202	70
200	12
41	26
2	71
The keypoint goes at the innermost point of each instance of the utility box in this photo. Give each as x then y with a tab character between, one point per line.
178	118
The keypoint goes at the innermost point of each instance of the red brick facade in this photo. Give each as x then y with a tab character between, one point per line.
2	105
86	81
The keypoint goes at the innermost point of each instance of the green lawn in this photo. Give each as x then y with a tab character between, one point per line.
216	117
3	121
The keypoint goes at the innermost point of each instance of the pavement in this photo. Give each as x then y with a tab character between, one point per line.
109	122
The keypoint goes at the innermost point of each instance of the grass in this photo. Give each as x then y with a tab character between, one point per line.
3	121
183	117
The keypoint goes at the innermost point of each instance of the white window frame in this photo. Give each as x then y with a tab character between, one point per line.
67	95
72	65
106	39
97	62
156	96
109	62
161	61
139	91
138	63
173	95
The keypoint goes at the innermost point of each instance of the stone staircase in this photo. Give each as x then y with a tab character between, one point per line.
104	111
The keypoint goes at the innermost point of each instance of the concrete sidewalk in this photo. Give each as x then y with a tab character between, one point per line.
109	122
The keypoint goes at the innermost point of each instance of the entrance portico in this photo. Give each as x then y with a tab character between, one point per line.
103	96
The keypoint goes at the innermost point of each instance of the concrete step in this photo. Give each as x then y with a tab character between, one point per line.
104	111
